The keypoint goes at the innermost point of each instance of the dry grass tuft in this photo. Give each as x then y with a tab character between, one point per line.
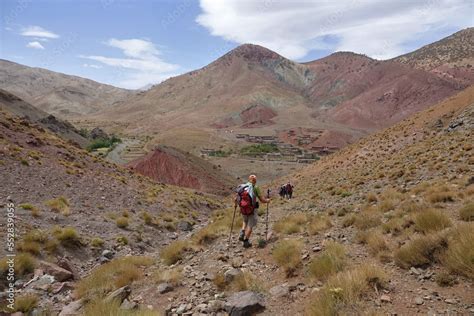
287	254
431	220
174	251
331	260
466	213
110	276
342	293
24	264
291	224
59	205
368	219
67	236
26	303
376	243
420	251
318	223
122	222
459	257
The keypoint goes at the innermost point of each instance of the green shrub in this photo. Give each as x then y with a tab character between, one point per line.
103	143
257	149
68	237
174	252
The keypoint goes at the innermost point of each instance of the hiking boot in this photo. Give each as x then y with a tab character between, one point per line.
247	243
242	235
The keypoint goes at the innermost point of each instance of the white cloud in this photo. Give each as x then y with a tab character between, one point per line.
35	45
92	66
38	31
141	60
379	28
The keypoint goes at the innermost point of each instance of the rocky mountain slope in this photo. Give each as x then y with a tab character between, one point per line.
172	166
16	106
451	57
56	93
78	211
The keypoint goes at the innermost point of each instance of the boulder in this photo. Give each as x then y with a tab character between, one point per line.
119	294
231	274
244	303
184	226
164	288
279	291
72	308
60	274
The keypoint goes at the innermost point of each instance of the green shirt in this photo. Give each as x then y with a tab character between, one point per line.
256	189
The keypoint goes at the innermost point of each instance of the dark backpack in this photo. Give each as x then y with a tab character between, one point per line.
244	200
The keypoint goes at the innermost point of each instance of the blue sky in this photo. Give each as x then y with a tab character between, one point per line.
134	43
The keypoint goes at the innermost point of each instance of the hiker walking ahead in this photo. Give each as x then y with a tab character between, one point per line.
246	199
289	190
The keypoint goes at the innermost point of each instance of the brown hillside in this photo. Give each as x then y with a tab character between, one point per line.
56	93
451	57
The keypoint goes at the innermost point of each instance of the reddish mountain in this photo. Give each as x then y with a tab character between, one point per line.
172	166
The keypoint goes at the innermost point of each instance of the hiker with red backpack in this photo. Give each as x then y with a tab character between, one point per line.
246	199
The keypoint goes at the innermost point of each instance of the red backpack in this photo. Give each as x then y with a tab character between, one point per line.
246	204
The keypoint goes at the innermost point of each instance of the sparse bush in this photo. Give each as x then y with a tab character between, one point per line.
376	243
371	197
110	276
291	223
342	293
368	219
459	257
287	254
59	205
174	252
219	281
246	282
24	264
97	242
26	303
122	222
330	261
420	251
147	218
318	224
431	220
440	196
31	247
122	240
348	220
445	279
68	237
467	212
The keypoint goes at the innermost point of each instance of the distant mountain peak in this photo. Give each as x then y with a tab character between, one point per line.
252	52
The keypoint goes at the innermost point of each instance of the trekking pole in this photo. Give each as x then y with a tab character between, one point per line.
266	224
232	225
